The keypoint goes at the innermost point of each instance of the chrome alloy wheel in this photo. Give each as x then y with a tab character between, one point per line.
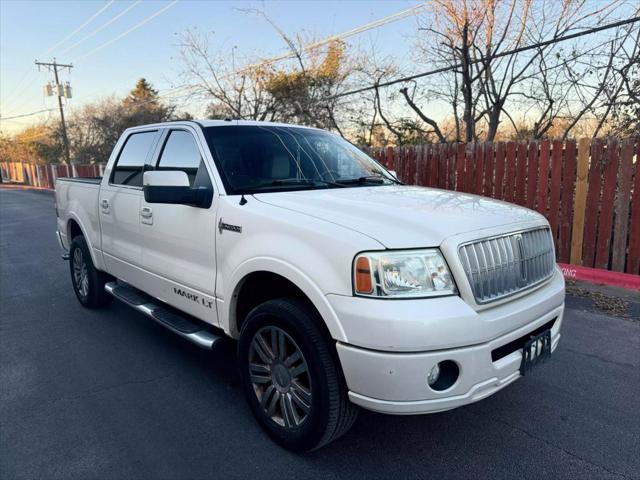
80	273
280	377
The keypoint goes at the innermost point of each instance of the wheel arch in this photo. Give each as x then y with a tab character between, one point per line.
281	280
75	228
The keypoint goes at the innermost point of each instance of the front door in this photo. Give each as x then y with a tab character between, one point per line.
119	207
179	240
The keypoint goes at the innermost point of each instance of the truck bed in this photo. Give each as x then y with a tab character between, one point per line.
77	198
95	180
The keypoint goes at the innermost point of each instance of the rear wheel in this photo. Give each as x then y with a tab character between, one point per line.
291	376
88	282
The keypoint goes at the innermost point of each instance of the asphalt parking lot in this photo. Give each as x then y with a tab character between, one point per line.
109	394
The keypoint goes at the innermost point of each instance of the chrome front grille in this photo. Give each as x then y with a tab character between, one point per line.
503	265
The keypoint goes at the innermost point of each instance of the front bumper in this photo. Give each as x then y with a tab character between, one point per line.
395	382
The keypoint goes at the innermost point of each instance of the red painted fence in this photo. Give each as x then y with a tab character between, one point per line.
589	191
44	176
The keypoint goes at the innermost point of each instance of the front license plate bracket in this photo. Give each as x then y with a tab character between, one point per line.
535	351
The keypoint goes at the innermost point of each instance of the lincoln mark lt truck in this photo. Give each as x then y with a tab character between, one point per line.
344	288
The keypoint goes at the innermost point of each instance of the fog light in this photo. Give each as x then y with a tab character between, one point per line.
434	374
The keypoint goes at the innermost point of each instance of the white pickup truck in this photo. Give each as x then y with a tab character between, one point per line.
344	287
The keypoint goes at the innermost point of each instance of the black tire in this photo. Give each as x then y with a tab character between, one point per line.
93	294
331	413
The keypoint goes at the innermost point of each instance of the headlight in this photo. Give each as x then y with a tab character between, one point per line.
402	274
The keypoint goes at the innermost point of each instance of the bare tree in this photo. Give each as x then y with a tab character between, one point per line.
466	37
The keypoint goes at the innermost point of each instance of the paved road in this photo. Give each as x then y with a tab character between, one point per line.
108	394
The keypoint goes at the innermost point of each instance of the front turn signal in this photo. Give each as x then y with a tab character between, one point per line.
363	276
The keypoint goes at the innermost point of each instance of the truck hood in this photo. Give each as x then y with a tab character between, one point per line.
400	216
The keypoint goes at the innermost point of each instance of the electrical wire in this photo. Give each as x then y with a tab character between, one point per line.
2	119
127	32
22	86
394	17
484	59
84	24
102	27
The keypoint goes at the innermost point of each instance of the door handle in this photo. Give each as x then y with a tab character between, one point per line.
104	203
146	212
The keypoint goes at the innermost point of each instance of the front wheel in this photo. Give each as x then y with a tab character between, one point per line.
88	282
291	376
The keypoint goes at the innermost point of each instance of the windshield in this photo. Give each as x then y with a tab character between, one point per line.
257	158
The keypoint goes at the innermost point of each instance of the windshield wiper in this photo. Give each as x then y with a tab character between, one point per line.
284	182
372	179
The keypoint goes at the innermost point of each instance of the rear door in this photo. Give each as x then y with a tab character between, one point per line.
119	206
179	240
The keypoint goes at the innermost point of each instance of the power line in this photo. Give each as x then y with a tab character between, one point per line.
349	33
27	114
84	24
127	32
484	59
23	86
102	27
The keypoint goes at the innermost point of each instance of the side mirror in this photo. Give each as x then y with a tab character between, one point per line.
172	186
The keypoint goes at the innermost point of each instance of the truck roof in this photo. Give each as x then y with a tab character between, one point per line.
221	123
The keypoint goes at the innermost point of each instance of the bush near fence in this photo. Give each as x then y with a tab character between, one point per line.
589	190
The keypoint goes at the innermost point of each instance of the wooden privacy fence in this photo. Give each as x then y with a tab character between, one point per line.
44	176
589	191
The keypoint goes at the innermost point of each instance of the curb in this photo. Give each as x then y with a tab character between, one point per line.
600	277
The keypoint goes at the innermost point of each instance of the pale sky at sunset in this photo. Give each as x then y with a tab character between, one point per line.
33	29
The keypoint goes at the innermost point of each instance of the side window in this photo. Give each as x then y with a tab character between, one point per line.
181	152
128	167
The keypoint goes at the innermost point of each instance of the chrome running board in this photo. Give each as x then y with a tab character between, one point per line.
190	329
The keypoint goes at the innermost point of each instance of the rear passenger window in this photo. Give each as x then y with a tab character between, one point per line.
181	152
130	162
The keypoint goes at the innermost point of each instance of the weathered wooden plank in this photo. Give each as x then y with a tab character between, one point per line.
605	221
633	258
423	168
556	177
469	167
543	180
434	168
532	174
498	189
412	158
452	159
460	159
390	163
622	203
441	152
594	193
521	174
489	162
477	178
567	200
511	171
577	237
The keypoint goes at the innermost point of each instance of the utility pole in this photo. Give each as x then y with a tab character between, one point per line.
60	92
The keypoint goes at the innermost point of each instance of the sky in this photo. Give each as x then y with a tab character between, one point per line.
31	30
